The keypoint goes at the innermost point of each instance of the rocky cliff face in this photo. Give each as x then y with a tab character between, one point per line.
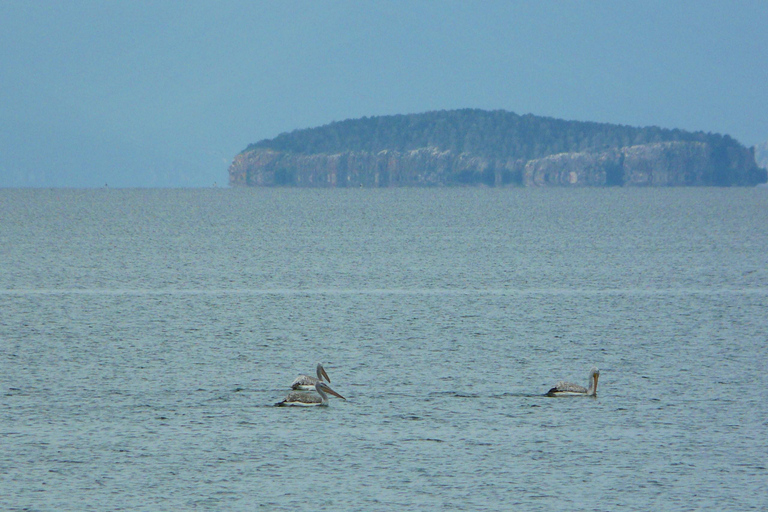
761	154
658	164
662	164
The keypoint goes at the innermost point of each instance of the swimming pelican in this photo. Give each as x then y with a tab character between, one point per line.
308	383
570	389
307	399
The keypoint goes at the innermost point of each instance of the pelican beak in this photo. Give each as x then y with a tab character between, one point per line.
332	392
325	375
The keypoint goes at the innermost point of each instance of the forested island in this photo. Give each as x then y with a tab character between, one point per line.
497	148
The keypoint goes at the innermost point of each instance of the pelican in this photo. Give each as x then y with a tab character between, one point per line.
307	383
570	389
308	399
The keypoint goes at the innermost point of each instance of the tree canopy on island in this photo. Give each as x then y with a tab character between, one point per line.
493	134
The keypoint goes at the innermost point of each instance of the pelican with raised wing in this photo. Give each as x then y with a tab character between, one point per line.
297	398
308	383
563	388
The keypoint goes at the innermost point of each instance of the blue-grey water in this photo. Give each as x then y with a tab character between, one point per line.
146	334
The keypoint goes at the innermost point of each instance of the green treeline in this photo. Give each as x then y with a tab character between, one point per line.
493	134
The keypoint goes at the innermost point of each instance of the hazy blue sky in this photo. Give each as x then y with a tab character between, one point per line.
165	93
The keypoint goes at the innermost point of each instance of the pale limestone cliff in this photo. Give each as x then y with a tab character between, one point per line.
761	155
658	164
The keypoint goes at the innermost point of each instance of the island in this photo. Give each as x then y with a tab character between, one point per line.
472	147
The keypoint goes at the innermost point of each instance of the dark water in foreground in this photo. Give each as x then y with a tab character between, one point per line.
145	335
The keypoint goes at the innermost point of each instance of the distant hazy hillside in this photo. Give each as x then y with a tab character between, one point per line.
494	148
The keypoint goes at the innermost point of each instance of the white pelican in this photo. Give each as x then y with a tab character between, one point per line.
563	388
307	399
308	383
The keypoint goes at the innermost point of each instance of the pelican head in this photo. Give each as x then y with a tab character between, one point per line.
594	375
323	388
321	373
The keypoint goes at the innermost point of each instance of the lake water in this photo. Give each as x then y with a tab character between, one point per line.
145	336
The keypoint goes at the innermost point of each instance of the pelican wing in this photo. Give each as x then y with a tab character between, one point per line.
569	388
307	383
296	398
564	387
304	382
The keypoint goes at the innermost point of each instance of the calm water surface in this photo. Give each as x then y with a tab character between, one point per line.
146	334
